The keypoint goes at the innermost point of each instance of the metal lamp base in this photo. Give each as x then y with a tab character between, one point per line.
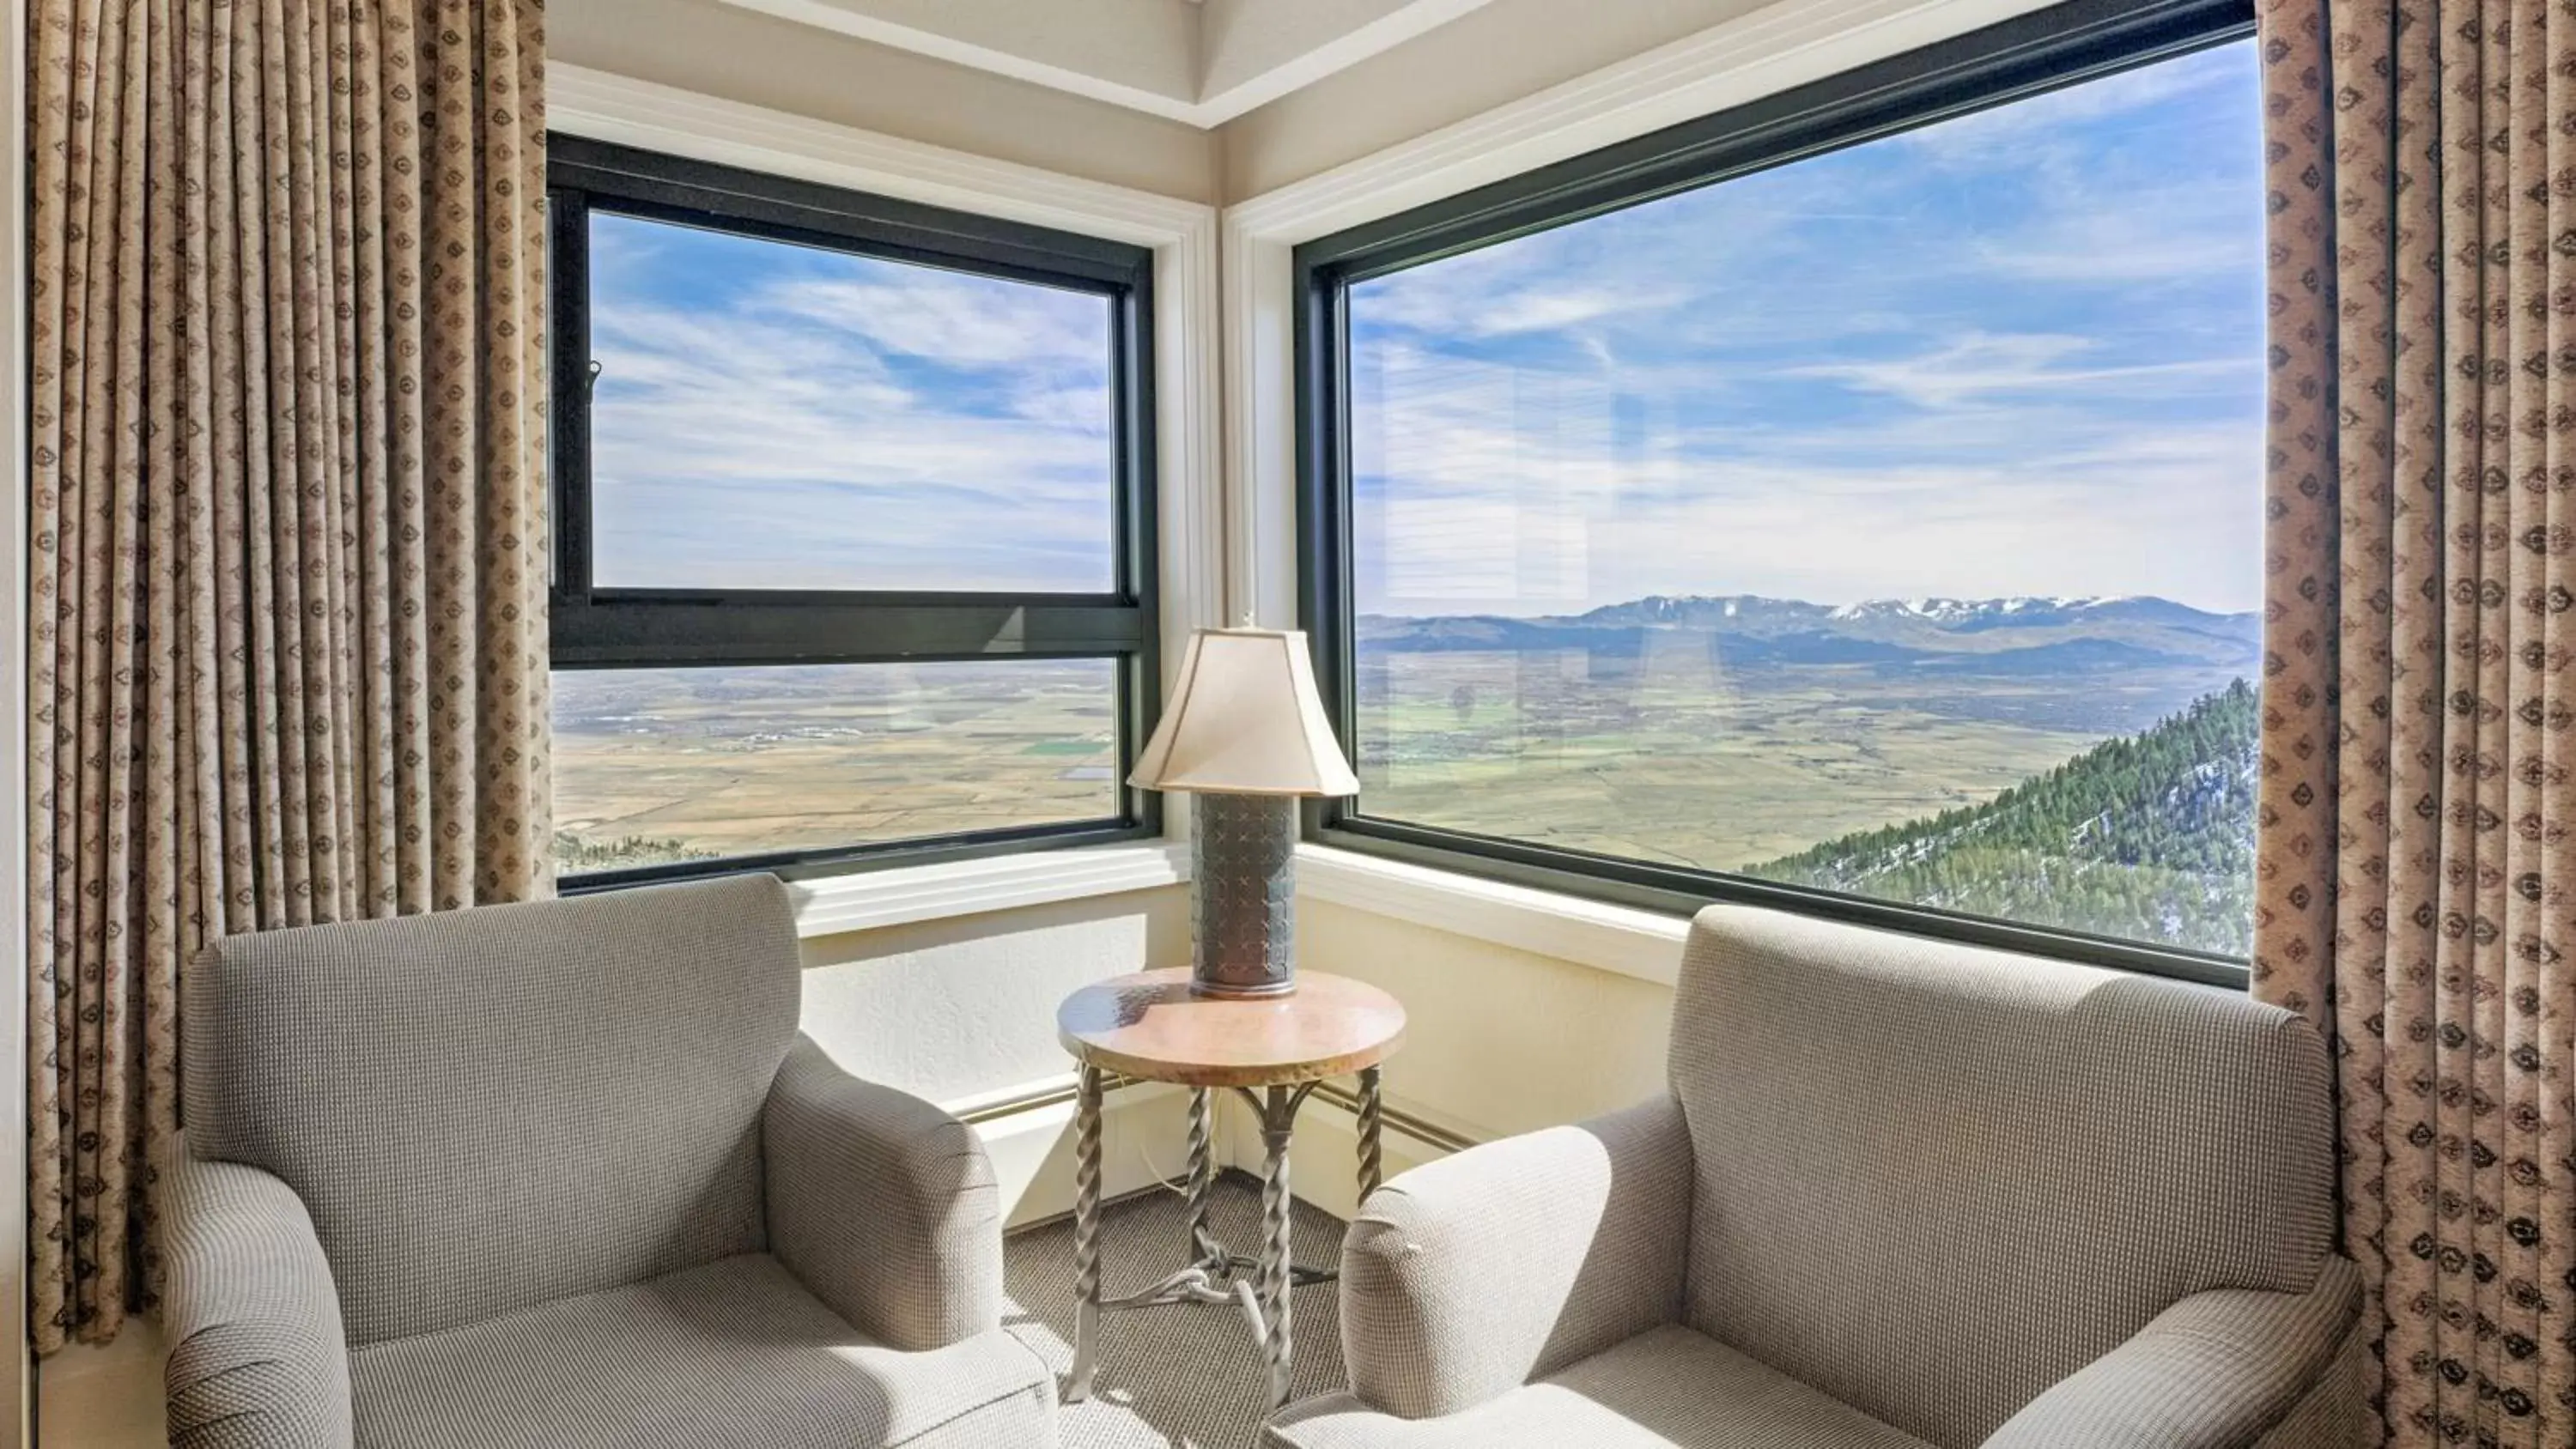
1243	860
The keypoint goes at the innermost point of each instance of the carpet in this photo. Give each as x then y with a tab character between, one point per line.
1186	1376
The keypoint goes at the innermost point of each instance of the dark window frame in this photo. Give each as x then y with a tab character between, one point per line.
593	627
2046	50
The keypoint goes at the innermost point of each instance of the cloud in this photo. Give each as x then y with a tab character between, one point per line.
1978	365
2057	126
774	416
1522	298
954	319
2017	354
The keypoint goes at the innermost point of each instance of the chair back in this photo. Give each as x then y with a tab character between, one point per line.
492	1108
1932	1180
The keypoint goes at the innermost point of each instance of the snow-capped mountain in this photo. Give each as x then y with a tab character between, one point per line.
2013	634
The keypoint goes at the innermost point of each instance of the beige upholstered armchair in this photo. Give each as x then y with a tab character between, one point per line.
565	1175
1902	1194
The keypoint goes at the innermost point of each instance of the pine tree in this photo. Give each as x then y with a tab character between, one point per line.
2147	837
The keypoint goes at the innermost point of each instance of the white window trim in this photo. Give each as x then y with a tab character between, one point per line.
1783	45
1188	491
868	899
1622	940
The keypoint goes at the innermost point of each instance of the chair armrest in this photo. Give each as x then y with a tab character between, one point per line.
257	1355
1473	1275
883	1205
2215	1371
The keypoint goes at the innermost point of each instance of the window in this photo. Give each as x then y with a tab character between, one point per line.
853	525
1850	502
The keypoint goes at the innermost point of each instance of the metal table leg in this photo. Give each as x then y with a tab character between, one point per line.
1279	1307
1370	1131
1275	1276
1086	1234
1213	1274
1204	1252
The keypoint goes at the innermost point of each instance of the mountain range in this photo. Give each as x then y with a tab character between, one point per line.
2013	635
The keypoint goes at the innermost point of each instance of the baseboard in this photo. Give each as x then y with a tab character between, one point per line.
1323	1156
1144	1139
1396	1121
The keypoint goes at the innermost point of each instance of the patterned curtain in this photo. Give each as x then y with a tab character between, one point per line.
2417	880
287	640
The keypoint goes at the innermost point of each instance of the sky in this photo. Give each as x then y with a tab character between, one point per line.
2019	352
777	416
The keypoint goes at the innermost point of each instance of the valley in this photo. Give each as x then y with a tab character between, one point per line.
654	766
1759	735
1892	748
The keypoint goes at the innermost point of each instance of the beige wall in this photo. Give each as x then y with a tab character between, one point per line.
1497	1041
953	1009
962	1011
718	50
1486	58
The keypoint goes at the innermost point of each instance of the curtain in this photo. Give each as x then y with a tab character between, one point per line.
2415	882
287	652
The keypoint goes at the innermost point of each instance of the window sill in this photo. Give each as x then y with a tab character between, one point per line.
1639	941
869	900
1619	939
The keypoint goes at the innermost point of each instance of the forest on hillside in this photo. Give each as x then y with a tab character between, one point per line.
2148	837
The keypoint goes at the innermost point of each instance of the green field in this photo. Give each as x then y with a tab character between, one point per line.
673	764
1690	766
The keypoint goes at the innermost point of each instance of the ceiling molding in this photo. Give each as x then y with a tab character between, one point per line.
1199	62
1041	47
1338	44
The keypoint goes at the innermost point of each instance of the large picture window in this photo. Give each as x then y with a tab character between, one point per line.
853	525
1851	502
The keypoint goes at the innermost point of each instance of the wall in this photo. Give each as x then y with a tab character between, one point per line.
955	1009
740	55
1497	1041
1493	55
962	1011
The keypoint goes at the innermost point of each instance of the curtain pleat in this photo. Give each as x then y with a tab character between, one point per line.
2415	897
286	637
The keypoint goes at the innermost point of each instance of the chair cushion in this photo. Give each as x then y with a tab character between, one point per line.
730	1355
494	1108
1933	1180
1669	1388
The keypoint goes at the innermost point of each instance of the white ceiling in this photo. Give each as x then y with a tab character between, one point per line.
1200	61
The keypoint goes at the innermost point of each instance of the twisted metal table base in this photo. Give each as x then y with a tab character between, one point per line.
1262	1286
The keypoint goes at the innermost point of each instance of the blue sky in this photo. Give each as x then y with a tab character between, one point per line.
2016	353
2019	352
781	416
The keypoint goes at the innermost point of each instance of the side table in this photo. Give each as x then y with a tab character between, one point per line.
1274	1051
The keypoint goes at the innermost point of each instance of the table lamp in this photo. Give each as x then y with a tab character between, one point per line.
1245	731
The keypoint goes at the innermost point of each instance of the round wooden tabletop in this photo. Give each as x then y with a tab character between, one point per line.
1149	1025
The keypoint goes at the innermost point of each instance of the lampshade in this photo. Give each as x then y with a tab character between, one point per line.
1245	719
